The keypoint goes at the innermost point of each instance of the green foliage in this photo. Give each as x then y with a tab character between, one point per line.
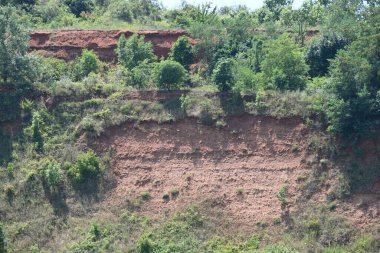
223	75
320	52
169	74
133	51
144	245
182	52
284	66
37	132
16	66
2	240
354	85
86	167
281	195
79	6
51	173
121	10
87	63
53	70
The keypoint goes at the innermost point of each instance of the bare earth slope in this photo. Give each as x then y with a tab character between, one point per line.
68	44
239	168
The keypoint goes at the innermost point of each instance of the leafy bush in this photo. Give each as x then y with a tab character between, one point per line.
16	66
51	173
51	10
88	63
182	52
86	167
354	86
284	65
133	51
223	75
37	136
53	69
79	6
120	10
320	52
169	74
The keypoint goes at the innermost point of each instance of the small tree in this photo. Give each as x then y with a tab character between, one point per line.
87	166
284	65
182	52
15	64
37	136
132	52
87	63
320	52
2	240
223	75
169	74
79	6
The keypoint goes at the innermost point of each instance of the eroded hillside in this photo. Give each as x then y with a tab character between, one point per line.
69	44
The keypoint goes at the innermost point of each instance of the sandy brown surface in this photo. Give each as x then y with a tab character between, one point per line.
252	155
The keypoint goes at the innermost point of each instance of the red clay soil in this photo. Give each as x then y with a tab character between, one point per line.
68	44
238	169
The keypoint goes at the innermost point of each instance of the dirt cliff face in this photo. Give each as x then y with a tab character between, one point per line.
69	44
238	169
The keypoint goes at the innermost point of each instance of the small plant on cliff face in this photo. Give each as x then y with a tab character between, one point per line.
223	74
86	167
169	74
133	51
182	52
88	63
281	195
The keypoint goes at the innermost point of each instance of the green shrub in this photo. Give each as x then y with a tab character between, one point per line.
120	10
88	63
87	166
284	65
182	51
51	173
169	74
37	136
281	195
133	51
145	245
79	6
223	75
17	68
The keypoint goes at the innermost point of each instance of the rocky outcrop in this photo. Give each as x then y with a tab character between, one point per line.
68	44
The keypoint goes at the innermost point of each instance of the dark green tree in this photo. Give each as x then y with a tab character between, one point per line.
37	136
169	74
89	62
321	51
131	52
16	66
223	75
354	84
182	52
79	6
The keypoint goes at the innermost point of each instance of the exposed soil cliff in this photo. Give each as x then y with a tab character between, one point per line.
238	169
68	44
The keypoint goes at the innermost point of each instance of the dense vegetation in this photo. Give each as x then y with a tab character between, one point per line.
331	79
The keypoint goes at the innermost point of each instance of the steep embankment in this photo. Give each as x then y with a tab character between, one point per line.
239	168
67	44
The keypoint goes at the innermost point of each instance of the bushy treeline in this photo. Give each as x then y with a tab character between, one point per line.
238	50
